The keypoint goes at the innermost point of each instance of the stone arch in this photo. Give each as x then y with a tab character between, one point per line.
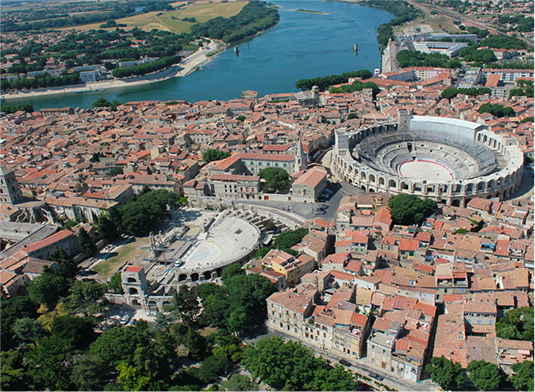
182	277
404	186
362	175
481	186
485	139
371	190
194	277
391	183
363	188
456	203
491	184
469	187
136	304
131	279
381	181
430	188
207	275
153	305
498	195
165	305
133	291
371	178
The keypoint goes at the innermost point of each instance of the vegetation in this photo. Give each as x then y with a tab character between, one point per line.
288	366
357	85
240	382
41	80
408	58
238	304
104	103
451	92
277	179
497	110
289	238
254	17
143	69
523	377
409	209
474	54
214	154
86	244
504	42
446	373
23	107
516	324
522	88
485	376
403	11
324	82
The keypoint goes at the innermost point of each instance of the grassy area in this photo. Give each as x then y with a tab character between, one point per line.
436	24
108	267
170	21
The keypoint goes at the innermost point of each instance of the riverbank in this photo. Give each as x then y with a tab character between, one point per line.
269	62
186	67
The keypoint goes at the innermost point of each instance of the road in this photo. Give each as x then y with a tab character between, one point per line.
359	366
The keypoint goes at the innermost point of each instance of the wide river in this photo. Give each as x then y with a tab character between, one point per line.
301	45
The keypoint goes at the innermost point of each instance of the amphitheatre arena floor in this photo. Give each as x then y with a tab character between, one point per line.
425	170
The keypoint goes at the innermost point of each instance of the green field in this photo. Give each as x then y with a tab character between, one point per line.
108	267
170	21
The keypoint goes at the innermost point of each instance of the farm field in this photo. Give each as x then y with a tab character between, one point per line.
170	21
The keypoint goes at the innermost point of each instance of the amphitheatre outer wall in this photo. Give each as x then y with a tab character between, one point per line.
498	181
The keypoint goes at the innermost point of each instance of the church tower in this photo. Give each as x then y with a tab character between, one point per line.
10	192
301	160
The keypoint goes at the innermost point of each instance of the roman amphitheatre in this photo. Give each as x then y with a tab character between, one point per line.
448	160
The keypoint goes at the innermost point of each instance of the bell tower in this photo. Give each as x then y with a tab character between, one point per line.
10	192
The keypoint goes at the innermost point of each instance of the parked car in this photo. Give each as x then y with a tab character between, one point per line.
376	376
344	362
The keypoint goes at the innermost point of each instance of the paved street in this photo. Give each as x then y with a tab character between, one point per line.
359	366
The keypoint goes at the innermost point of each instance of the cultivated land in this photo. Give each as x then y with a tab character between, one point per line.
170	21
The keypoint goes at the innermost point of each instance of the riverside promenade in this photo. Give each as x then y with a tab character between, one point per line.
187	66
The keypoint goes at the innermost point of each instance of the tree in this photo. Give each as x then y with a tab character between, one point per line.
86	244
485	376
107	229
516	324
286	365
28	329
409	209
186	304
130	378
116	284
214	155
240	382
13	371
88	374
213	367
523	377
11	310
115	171
49	365
277	179
196	345
77	331
446	373
261	253
289	238
67	267
232	270
101	102
47	288
117	344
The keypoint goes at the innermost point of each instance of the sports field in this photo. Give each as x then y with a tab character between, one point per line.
171	20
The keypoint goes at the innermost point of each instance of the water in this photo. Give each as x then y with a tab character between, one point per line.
301	45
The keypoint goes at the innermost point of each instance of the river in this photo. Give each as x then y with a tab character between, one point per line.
301	45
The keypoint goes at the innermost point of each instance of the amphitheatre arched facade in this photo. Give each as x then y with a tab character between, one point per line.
448	160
